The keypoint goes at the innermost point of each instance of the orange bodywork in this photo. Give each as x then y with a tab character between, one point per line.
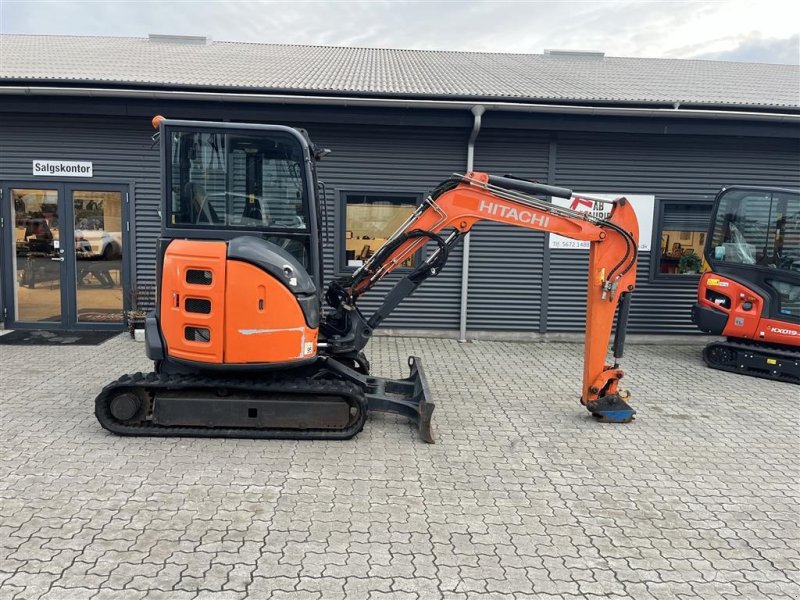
186	261
744	309
600	379
246	315
263	320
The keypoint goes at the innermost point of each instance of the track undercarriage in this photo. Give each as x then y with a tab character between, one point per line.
329	401
759	360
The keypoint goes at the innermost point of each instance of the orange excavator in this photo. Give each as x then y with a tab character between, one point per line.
244	342
752	294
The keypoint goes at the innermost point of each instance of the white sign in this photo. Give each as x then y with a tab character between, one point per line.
62	168
643	205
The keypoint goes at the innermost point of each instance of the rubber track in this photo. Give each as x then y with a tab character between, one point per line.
765	350
149	383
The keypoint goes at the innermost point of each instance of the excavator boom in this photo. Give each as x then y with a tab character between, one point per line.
464	200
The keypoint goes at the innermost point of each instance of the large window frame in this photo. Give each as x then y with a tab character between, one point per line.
342	195
770	233
229	173
656	254
69	302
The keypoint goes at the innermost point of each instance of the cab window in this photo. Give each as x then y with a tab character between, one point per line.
237	181
758	228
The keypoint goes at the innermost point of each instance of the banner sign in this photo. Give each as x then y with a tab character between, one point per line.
643	205
62	168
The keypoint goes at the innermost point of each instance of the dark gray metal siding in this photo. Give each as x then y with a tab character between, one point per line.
120	150
407	159
366	158
505	263
683	168
506	279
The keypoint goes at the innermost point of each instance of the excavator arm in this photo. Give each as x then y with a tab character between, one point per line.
450	212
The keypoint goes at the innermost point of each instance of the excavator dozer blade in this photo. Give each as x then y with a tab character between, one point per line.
409	397
611	409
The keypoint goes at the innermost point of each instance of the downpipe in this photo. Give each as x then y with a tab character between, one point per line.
477	113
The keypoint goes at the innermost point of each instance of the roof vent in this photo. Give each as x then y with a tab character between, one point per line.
196	40
575	53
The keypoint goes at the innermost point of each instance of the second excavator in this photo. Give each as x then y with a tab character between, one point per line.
242	342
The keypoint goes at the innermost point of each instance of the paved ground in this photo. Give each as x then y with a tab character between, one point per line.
524	496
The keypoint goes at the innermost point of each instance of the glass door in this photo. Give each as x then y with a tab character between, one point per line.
64	260
97	262
38	267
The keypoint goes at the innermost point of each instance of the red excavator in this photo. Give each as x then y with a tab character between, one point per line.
752	294
241	341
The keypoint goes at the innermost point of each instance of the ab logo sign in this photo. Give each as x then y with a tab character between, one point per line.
642	203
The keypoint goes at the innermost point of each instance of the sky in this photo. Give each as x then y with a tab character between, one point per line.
734	30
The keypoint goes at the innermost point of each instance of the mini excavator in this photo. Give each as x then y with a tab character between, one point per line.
752	294
241	342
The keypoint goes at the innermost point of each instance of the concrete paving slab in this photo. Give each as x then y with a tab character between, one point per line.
523	496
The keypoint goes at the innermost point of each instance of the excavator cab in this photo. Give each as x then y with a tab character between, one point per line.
752	293
239	250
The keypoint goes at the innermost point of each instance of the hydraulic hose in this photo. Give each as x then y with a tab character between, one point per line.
631	250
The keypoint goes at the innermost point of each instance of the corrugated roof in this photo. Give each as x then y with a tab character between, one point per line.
395	73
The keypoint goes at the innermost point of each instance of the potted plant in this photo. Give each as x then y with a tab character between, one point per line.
689	263
135	319
141	298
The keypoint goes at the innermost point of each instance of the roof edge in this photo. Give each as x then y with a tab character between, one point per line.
344	100
136	88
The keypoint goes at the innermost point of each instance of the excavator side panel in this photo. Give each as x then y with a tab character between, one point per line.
192	302
264	322
739	307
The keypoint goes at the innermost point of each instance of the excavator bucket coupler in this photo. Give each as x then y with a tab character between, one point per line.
611	409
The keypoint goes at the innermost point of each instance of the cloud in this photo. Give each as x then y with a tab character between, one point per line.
765	50
678	28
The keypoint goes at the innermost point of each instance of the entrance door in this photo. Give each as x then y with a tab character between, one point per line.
96	267
66	265
34	280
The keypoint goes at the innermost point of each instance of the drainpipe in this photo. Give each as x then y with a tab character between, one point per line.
477	112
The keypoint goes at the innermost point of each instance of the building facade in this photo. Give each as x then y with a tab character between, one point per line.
80	181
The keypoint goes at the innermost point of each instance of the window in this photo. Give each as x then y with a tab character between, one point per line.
237	181
369	221
758	228
683	237
788	297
